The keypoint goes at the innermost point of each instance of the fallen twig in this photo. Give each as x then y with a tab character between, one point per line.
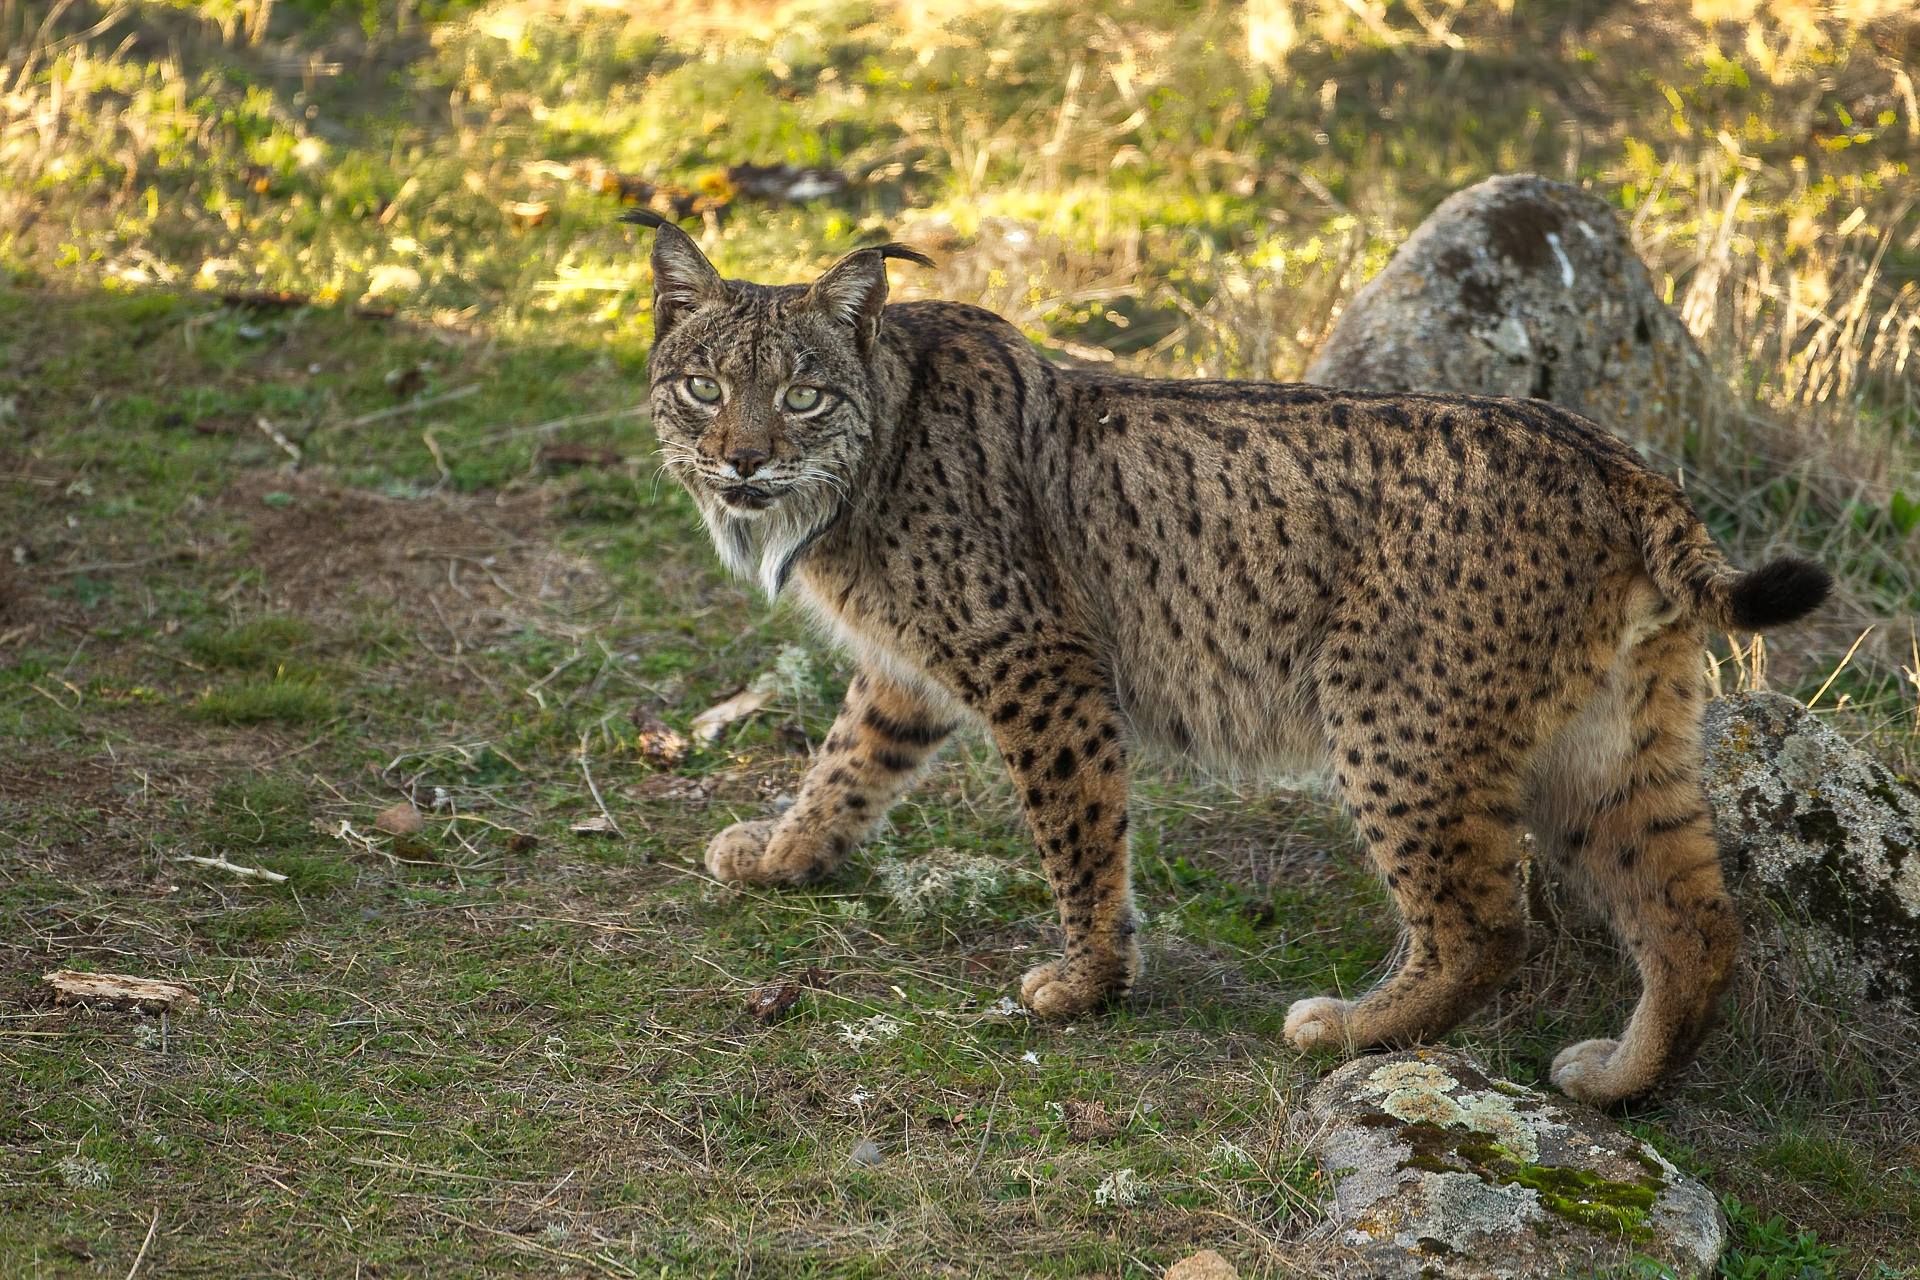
221	864
109	566
588	773
119	991
412	406
272	433
986	1132
554	424
140	1257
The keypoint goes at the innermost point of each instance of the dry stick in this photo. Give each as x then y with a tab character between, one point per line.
440	461
985	1133
221	864
1842	667
145	1244
381	415
272	433
109	566
603	1265
554	424
596	790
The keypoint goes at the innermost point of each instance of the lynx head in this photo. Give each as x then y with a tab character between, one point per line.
764	399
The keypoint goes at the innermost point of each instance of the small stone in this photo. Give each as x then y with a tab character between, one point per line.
867	1152
1204	1265
400	820
1088	1120
657	743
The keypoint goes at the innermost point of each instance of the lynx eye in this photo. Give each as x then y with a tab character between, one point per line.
705	390
801	399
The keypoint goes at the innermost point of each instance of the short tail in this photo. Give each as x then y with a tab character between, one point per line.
1778	592
1690	569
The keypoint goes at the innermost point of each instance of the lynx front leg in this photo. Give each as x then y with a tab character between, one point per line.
1054	723
883	735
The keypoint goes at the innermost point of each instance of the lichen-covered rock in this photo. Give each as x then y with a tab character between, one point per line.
1443	1173
1822	829
1524	287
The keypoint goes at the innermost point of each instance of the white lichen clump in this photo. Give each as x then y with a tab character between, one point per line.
792	680
1420	1093
940	879
1121	1187
79	1171
875	1030
1231	1155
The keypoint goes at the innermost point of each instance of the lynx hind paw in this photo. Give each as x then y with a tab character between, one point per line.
738	853
1052	991
1318	1023
1581	1072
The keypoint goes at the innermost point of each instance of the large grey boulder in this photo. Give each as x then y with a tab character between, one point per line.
1524	287
1440	1172
1819	837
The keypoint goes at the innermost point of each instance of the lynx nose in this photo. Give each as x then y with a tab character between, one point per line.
746	461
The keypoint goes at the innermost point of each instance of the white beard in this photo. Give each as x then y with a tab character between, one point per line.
762	545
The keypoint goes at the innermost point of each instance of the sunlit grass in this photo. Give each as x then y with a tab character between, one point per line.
495	1043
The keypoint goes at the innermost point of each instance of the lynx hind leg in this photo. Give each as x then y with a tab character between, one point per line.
1457	889
884	734
1622	814
1439	824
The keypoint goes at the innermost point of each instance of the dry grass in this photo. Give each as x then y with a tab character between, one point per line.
473	1056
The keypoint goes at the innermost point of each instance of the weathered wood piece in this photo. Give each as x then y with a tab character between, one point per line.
120	991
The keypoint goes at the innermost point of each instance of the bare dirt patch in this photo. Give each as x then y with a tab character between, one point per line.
470	566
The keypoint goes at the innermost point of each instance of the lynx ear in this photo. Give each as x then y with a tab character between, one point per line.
854	289
682	276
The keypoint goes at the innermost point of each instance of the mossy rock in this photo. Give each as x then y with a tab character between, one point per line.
1522	286
1439	1171
1821	841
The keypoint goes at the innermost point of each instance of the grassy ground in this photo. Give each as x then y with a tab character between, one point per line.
496	1045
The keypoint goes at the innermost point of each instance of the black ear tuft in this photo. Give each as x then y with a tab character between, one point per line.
905	252
682	277
854	289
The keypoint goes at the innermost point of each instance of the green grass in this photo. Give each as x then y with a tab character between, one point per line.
264	642
257	700
1773	1250
495	1046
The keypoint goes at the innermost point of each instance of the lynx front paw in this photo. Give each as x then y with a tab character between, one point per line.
765	852
1060	989
1581	1071
1318	1023
738	852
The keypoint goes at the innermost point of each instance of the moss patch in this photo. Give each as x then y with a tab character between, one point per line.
1576	1195
1614	1208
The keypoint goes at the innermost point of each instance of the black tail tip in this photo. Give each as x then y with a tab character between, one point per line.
640	217
1775	594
